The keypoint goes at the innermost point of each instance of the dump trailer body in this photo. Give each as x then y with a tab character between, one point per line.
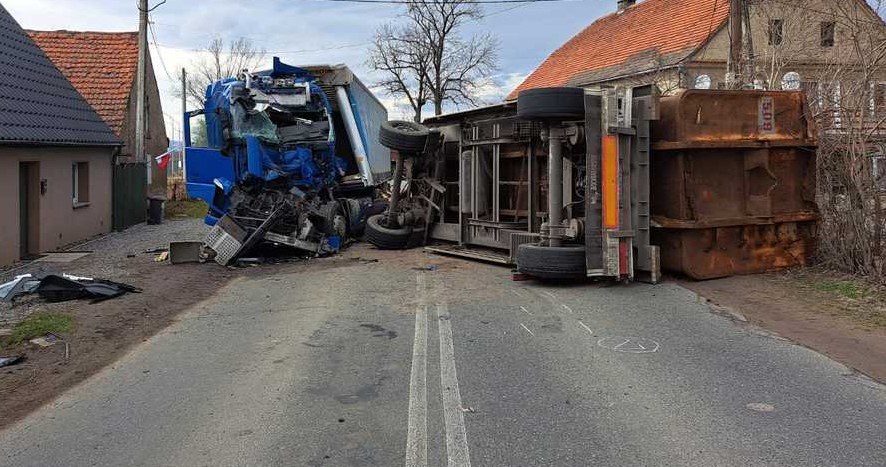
733	182
706	183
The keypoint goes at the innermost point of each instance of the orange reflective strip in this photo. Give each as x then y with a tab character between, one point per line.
610	181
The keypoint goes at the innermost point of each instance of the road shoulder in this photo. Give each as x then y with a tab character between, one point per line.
815	309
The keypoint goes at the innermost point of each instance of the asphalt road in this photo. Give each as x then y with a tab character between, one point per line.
351	363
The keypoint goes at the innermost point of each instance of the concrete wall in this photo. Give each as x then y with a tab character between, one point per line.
58	222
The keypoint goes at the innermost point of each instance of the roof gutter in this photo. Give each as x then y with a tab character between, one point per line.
13	143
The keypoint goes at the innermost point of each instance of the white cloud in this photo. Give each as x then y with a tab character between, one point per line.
302	32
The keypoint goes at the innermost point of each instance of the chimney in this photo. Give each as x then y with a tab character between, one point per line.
624	4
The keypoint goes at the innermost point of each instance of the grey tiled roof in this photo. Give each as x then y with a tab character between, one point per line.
37	103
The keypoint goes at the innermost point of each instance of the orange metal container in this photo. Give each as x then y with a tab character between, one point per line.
733	182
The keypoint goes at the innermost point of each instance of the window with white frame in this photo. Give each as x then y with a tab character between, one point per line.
80	183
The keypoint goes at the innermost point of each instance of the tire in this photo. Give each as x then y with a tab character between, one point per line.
403	136
331	219
385	238
551	104
552	262
417	238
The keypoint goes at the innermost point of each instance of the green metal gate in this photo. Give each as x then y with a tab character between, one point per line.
130	191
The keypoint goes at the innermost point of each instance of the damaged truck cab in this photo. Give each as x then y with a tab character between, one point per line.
288	155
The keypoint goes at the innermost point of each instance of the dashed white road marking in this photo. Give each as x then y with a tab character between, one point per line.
586	328
417	428
567	308
453	415
525	310
527	330
549	294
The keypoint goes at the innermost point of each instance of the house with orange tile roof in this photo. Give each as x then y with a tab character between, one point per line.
102	67
56	154
679	44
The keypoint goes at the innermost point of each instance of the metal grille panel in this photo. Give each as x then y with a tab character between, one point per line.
225	246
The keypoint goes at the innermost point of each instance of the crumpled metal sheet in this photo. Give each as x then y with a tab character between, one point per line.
21	285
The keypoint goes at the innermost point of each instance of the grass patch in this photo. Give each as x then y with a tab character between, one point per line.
38	325
846	289
179	208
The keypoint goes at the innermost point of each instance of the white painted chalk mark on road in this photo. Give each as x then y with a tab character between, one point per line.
567	308
417	428
761	407
629	344
525	310
586	328
549	294
527	330
453	416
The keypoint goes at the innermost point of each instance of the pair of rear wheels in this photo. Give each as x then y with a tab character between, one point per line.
406	138
551	262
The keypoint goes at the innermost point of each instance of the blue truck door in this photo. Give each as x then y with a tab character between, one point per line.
203	164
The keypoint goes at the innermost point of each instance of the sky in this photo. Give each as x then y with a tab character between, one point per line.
303	32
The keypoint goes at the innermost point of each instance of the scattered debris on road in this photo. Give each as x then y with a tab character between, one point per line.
55	288
185	252
22	284
45	341
9	361
64	287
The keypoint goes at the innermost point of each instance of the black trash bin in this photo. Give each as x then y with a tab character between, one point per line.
155	209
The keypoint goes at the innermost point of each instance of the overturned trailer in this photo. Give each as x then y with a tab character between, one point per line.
289	155
567	182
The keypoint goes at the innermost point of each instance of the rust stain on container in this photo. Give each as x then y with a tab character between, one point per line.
733	182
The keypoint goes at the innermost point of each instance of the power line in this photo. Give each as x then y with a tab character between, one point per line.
157	47
411	2
324	49
504	10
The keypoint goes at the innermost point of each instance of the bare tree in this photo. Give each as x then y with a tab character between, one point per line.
399	53
845	81
850	111
217	61
427	56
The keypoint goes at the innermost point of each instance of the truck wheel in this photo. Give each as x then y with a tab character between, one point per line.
333	219
417	238
385	238
552	262
403	136
551	104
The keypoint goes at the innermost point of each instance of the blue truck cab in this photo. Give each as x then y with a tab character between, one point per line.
294	129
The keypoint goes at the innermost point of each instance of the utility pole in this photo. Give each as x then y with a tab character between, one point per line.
140	84
184	94
184	122
733	62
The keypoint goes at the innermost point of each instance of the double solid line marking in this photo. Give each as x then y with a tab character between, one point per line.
457	454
